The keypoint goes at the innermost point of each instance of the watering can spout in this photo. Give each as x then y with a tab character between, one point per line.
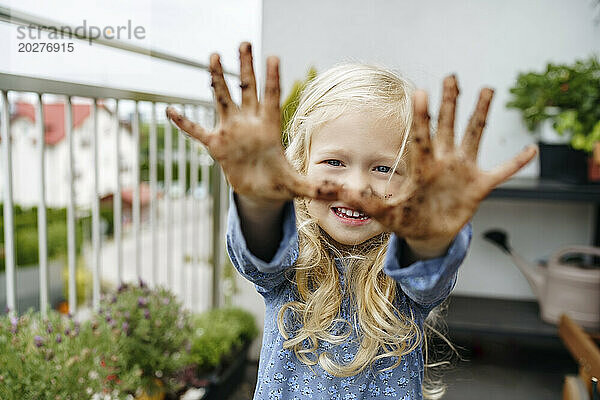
535	274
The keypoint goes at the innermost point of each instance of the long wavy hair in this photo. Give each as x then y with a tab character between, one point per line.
382	329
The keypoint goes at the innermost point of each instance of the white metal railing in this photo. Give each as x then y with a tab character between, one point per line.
7	83
211	246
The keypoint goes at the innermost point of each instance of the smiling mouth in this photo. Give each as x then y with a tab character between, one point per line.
350	214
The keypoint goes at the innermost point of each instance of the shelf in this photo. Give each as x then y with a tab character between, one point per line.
490	316
538	189
497	316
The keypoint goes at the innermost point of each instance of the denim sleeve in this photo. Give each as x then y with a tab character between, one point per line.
428	282
264	275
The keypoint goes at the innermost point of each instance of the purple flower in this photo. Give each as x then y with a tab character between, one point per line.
142	301
113	299
122	288
108	317
38	340
67	331
126	314
49	328
166	301
142	283
58	338
14	322
125	327
6	310
147	313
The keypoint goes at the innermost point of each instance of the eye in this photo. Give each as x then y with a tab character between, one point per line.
333	163
385	169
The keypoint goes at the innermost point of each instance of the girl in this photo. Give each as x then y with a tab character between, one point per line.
355	232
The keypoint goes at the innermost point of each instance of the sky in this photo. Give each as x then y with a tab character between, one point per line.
190	29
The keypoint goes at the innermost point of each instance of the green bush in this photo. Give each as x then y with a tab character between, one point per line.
56	358
290	104
26	235
26	243
219	332
152	331
138	336
107	214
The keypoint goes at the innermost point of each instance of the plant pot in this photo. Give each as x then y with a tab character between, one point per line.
159	395
594	165
225	383
563	163
593	170
28	286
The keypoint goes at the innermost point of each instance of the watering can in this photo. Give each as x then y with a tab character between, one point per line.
560	285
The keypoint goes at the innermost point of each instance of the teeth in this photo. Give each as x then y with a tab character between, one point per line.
351	213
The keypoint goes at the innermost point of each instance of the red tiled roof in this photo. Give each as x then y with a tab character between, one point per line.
127	194
54	117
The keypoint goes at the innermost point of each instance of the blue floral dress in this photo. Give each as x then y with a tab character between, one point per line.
281	376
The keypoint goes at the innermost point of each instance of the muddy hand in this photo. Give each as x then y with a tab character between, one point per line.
444	186
247	140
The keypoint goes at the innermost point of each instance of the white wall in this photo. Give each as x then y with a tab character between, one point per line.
484	43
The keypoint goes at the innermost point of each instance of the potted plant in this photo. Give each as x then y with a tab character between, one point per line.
140	345
567	98
152	332
218	351
58	358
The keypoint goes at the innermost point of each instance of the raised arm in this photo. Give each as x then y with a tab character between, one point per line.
261	224
444	186
247	144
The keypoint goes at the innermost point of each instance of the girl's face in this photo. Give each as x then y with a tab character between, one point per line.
357	151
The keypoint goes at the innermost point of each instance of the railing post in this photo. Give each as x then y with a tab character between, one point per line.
97	258
9	231
215	179
181	180
196	238
71	243
168	204
42	227
117	218
153	194
136	191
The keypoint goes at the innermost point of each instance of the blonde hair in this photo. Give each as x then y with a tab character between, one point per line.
383	330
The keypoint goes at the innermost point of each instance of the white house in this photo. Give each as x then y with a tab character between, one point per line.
25	163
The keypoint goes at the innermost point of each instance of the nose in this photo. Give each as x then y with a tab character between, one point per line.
358	180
